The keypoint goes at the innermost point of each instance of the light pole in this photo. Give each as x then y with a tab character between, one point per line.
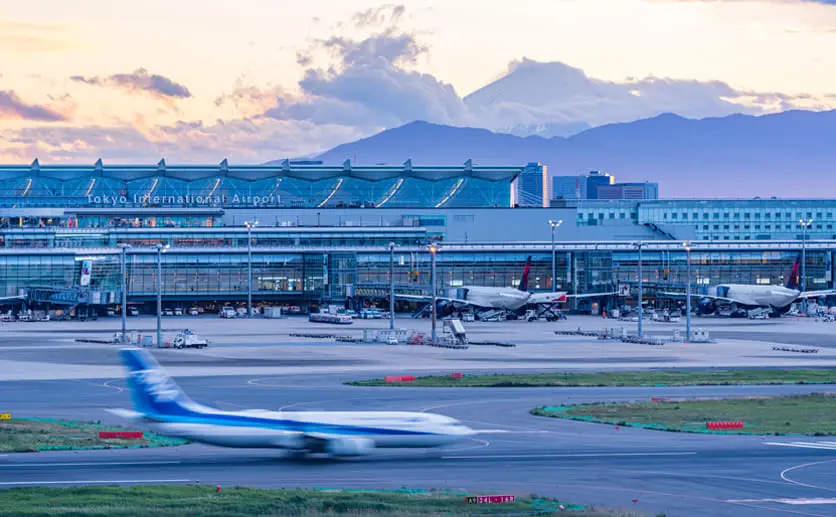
250	226
639	245
803	284
433	251
554	225
391	285
124	270
687	245
161	248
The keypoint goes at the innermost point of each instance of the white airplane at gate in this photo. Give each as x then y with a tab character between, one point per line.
749	296
506	298
163	407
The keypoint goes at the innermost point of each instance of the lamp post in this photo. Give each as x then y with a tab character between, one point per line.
639	245
687	245
161	248
391	285
250	226
124	270
554	225
433	251
803	287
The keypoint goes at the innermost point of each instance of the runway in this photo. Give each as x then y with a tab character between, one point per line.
674	473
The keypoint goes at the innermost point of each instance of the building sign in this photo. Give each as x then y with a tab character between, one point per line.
184	200
86	267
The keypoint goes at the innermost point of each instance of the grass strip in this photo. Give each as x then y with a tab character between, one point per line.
813	414
191	500
641	378
47	434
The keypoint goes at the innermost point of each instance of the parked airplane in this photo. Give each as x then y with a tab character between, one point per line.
748	296
164	408
507	298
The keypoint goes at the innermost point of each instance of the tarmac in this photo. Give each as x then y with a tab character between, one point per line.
255	364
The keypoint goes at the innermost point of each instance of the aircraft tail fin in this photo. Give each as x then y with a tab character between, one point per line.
153	392
793	281
524	280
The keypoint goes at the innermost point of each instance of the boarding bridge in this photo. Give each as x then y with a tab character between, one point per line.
80	299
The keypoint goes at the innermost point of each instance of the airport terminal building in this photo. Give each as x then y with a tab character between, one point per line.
324	234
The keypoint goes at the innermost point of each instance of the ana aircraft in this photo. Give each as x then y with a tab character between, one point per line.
748	296
507	298
163	407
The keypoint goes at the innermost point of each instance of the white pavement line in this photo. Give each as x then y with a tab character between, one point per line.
94	482
579	455
803	445
819	500
89	464
804	465
507	431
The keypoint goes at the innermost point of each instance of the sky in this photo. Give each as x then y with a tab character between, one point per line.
197	81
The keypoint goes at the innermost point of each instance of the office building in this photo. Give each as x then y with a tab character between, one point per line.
644	191
533	186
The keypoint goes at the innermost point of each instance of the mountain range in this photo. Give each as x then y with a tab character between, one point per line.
788	154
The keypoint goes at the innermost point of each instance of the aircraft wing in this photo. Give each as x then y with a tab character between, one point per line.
709	296
11	298
429	299
816	294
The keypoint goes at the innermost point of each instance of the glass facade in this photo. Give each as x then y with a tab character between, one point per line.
262	237
320	274
289	185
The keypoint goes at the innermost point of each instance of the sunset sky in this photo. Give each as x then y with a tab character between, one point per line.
254	80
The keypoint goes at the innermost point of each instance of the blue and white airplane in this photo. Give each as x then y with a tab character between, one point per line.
163	407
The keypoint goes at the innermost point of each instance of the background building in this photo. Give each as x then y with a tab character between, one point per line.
596	179
645	190
533	186
569	187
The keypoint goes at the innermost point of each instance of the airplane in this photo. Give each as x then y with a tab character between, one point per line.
507	298
162	406
748	296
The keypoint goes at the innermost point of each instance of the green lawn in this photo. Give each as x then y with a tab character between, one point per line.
813	414
203	501
643	378
32	435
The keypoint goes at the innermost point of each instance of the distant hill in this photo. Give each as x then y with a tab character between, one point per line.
789	154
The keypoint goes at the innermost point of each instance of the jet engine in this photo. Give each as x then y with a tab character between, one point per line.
706	306
349	446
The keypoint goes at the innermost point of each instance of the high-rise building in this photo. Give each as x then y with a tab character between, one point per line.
597	179
645	191
569	187
533	186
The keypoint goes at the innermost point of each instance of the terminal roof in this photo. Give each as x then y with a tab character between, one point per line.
286	168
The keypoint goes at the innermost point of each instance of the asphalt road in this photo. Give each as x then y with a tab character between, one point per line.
679	474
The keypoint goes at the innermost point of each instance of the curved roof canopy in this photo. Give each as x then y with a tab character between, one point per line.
287	168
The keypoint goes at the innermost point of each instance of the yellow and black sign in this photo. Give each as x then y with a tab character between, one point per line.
472	500
5	416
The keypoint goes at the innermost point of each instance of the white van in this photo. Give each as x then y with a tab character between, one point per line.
227	312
